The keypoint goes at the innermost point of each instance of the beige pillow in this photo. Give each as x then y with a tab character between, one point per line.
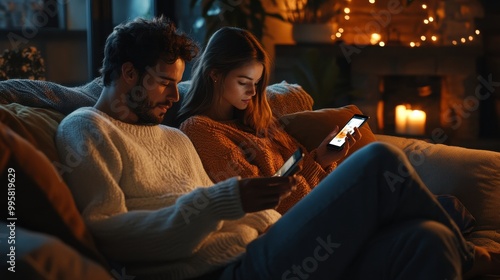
310	128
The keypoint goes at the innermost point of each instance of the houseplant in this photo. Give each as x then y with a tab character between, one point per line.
22	63
247	14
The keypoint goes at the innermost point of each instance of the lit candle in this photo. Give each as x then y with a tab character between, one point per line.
416	122
401	119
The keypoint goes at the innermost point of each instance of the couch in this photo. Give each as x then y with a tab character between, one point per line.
51	239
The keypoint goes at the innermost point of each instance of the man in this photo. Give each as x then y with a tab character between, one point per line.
144	195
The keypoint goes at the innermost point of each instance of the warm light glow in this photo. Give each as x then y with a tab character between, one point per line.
463	40
426	21
338	34
409	121
431	19
412	44
371	1
477	31
423	38
346	17
401	119
375	38
417	44
381	43
347	10
341	30
415	123
454	42
424	6
434	38
471	38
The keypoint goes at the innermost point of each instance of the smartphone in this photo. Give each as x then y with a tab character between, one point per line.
289	166
337	143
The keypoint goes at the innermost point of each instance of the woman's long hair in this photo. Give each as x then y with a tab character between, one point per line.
230	48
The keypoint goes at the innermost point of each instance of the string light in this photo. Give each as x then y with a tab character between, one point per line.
341	30
431	19
478	32
426	21
423	38
347	10
371	1
454	42
424	6
434	38
381	43
346	17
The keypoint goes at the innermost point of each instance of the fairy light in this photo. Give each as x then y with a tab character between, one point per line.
341	30
471	38
347	17
338	34
423	38
381	43
375	38
454	42
463	40
431	19
371	1
412	44
434	38
424	6
478	32
426	21
347	10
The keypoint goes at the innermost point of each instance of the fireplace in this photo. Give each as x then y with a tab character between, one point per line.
440	81
409	105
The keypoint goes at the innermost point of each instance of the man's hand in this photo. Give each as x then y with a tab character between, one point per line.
264	193
325	156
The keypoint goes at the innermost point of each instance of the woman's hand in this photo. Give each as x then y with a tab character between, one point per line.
258	194
326	156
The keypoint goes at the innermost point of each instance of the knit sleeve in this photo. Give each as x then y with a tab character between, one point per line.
222	157
91	155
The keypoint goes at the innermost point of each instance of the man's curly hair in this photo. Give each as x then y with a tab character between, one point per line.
143	43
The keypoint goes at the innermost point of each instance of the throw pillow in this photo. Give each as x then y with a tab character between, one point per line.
310	128
37	125
43	202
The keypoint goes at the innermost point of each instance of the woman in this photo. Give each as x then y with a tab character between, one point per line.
227	104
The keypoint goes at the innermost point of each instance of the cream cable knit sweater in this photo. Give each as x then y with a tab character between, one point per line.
146	198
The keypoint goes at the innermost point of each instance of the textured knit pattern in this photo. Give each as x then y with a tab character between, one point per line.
45	94
226	150
285	98
143	193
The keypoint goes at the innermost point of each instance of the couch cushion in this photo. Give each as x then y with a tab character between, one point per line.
285	98
43	202
310	128
469	174
38	126
41	256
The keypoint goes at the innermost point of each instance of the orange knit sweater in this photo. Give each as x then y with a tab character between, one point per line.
227	151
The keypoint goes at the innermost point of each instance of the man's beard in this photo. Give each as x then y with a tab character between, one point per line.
140	104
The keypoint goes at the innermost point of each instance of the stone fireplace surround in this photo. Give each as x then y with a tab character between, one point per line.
459	114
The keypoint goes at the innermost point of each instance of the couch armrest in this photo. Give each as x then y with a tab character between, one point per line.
470	174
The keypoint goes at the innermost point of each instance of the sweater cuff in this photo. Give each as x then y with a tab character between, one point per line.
225	199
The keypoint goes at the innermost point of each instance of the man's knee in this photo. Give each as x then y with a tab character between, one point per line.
435	240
